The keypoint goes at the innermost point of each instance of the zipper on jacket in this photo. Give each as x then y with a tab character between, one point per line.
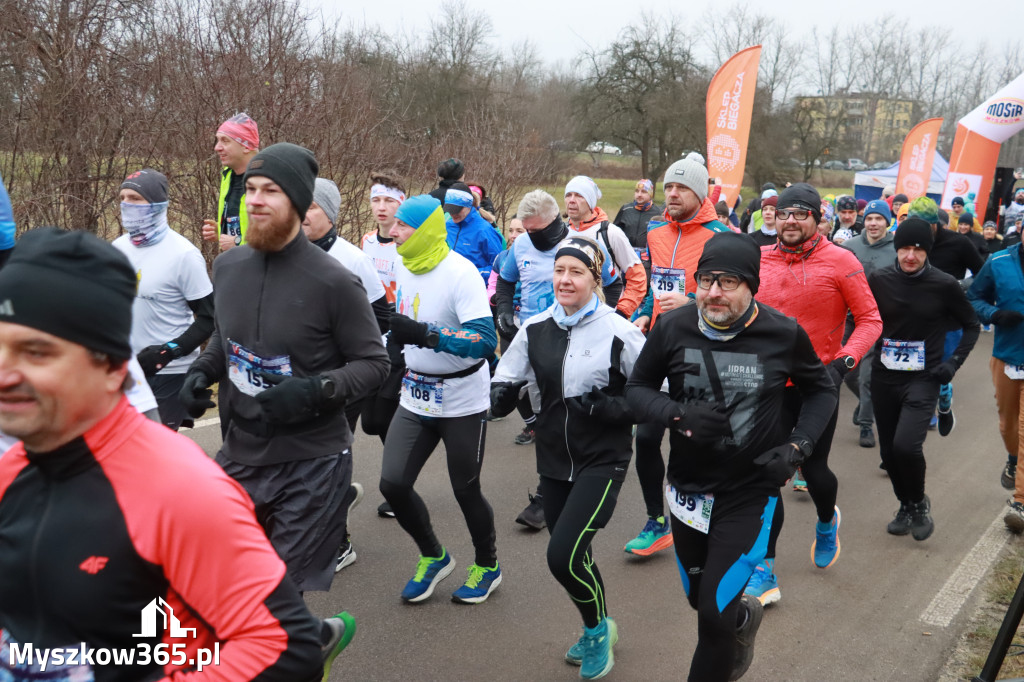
34	563
259	299
572	464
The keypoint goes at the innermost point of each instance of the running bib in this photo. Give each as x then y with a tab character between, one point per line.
425	394
667	281
694	510
244	368
1015	372
234	226
903	356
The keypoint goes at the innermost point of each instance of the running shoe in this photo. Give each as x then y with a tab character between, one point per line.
527	436
764	584
825	548
947	421
745	636
799	484
384	511
1014	518
491	417
656	536
921	523
346	556
856	415
598	657
343	629
533	515
900	525
1008	478
867	437
429	572
945	397
479	585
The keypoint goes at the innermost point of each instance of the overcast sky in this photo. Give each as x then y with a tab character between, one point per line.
560	29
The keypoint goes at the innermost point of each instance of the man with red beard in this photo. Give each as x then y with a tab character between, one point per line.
304	344
675	244
808	278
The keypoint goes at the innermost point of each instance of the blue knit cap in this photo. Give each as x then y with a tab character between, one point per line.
880	207
415	210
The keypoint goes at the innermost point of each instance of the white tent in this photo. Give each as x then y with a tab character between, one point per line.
868	184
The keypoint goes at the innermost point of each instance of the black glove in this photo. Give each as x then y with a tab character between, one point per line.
608	408
944	372
408	332
703	425
507	325
504	396
1007	318
780	463
195	394
290	400
837	369
152	359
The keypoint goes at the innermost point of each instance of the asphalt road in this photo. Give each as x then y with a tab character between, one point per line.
889	609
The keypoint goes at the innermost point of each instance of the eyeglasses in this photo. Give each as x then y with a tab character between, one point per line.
726	281
785	213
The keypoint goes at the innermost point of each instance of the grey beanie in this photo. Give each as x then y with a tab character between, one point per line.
327	197
688	173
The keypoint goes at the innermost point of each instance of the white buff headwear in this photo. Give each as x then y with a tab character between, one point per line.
458	197
385	191
586	188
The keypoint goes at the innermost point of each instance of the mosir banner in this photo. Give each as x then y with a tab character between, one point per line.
730	105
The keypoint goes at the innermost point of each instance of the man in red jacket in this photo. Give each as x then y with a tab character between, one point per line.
808	278
118	509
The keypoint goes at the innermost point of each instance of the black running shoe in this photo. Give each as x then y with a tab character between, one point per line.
533	515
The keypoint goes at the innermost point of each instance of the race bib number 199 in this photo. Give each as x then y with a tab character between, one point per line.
694	509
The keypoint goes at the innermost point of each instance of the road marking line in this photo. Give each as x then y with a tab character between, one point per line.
950	599
216	420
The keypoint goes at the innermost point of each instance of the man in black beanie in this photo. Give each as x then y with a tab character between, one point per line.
727	359
94	491
918	304
295	341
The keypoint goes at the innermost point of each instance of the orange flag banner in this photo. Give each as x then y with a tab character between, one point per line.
730	105
916	158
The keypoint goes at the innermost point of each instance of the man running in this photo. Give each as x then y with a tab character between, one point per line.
997	295
238	140
173	310
468	233
634	217
918	304
444	321
808	278
727	360
284	384
675	244
108	515
873	248
588	219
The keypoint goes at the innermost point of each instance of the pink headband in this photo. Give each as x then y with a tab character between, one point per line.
242	130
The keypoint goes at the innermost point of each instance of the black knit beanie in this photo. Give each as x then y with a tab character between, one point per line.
734	253
151	184
72	285
914	232
801	196
292	168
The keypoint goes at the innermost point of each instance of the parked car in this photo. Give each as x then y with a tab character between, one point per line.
881	165
603	148
856	165
835	164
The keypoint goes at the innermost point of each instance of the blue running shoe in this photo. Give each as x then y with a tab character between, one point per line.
763	583
945	397
825	548
479	585
934	423
799	484
597	644
429	572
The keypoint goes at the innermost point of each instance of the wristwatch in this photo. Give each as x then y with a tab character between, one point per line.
849	361
328	387
803	445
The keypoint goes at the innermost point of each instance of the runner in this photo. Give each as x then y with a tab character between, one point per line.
238	140
767	234
727	361
173	310
873	248
918	303
584	433
634	217
815	282
118	509
675	244
530	268
997	295
444	322
469	234
283	385
588	219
